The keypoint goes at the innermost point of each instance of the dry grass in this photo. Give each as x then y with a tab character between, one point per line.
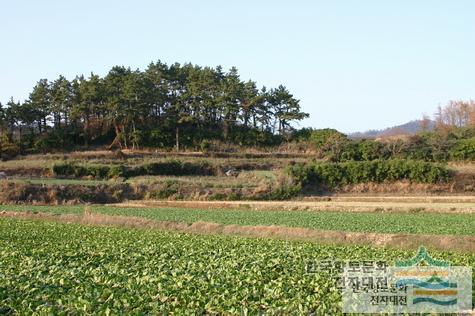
248	179
461	205
461	184
406	241
463	167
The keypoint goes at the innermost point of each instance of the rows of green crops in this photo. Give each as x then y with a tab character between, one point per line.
416	223
53	268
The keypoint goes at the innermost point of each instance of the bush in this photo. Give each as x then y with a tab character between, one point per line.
69	169
205	145
172	168
285	191
463	150
164	190
324	137
333	175
64	169
8	150
159	138
165	168
47	143
117	171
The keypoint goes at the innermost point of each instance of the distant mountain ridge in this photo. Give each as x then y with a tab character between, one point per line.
409	128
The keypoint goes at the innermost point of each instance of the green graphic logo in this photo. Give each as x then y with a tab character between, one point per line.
421	257
426	286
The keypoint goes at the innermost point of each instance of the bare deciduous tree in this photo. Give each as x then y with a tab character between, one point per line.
456	114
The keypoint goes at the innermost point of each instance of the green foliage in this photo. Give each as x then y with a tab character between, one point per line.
8	150
457	144
52	268
47	142
302	135
285	189
418	149
187	102
70	169
163	168
370	150
428	146
172	167
329	143
116	171
65	169
380	222
463	149
333	175
325	137
165	190
205	145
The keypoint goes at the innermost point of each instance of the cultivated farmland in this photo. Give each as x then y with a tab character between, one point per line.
154	233
68	268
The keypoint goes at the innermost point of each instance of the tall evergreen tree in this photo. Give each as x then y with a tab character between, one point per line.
61	102
231	96
285	108
40	98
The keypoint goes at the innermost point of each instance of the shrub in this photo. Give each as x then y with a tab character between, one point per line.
116	171
69	169
64	169
463	150
164	190
159	138
165	168
323	137
333	175
370	150
47	143
8	150
285	191
205	145
172	168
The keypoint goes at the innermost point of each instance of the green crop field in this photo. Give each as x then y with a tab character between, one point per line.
415	223
52	268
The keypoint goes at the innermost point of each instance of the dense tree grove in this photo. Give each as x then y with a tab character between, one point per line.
188	106
162	106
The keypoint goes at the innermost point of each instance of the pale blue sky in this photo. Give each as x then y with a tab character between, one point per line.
355	65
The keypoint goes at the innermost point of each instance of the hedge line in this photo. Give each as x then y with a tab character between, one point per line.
98	171
333	175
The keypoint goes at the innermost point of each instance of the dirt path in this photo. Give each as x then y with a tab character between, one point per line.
406	241
460	204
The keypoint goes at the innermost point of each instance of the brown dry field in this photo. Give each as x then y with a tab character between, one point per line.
438	204
406	241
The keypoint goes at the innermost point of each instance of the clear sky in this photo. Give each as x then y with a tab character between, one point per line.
355	65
